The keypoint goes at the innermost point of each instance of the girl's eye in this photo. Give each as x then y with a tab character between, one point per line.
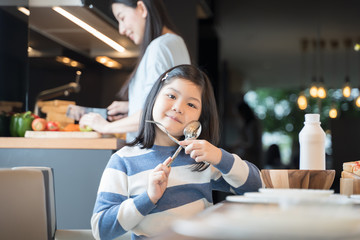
191	105
171	96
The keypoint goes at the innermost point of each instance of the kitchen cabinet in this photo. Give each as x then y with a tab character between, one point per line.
78	165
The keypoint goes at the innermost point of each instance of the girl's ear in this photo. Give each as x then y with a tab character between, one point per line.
142	8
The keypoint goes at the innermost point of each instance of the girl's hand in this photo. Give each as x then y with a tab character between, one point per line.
117	110
202	151
158	180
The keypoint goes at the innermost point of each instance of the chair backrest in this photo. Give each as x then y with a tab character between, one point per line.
48	177
23	213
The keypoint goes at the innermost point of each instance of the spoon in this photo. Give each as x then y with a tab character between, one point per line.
191	131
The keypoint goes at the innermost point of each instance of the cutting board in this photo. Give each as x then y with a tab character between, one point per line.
59	134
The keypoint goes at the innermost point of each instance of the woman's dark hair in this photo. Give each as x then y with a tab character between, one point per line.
156	19
208	117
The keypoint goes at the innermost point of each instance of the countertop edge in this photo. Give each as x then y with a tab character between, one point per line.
62	143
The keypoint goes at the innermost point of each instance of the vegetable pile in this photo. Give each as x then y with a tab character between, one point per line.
16	124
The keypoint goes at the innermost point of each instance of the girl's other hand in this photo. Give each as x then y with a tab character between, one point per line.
158	180
202	151
117	110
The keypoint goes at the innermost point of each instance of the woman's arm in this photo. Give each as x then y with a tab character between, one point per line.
99	124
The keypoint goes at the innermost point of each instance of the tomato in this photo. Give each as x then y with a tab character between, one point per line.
53	126
38	124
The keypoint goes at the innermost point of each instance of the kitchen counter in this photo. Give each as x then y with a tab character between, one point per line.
62	143
78	164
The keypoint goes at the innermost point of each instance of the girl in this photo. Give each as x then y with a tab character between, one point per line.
139	193
147	24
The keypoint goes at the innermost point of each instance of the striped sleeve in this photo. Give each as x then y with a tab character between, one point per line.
236	175
114	212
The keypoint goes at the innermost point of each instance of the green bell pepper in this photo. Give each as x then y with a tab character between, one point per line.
13	124
20	123
24	123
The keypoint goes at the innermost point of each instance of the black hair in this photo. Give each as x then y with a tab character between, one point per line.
156	19
208	117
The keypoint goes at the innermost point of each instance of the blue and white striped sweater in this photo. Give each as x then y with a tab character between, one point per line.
123	205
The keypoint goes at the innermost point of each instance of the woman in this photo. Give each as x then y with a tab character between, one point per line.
147	24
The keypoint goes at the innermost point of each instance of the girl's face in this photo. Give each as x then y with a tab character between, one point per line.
131	20
177	104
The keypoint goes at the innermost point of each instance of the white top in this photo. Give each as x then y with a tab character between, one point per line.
164	52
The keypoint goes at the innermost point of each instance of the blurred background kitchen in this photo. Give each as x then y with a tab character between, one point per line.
263	58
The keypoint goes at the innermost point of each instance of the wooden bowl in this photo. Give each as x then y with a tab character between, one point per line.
293	178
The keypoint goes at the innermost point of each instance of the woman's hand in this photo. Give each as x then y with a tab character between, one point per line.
94	121
158	180
117	110
202	151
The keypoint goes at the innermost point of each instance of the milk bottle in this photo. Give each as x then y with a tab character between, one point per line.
312	144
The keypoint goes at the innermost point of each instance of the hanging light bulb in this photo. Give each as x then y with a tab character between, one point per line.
347	88
313	88
333	113
321	91
302	101
357	47
314	91
357	101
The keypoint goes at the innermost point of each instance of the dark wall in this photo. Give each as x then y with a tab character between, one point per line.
345	132
45	73
22	79
183	14
13	57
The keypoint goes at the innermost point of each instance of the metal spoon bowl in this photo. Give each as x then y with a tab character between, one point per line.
191	131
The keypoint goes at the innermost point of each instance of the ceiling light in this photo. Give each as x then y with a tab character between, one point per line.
313	91
347	88
313	88
357	101
90	29
108	62
302	101
321	91
24	10
74	63
333	113
65	59
69	62
357	47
